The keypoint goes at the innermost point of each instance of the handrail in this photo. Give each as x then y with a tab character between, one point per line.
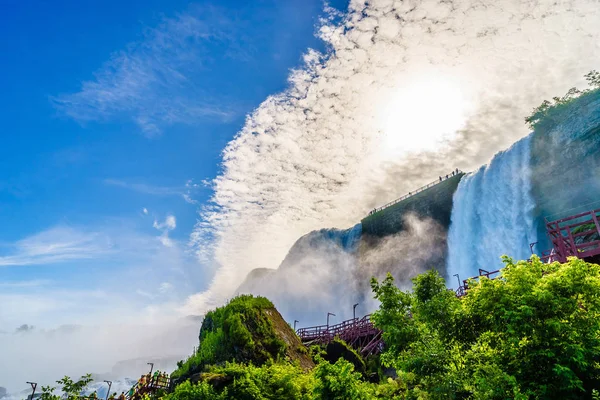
330	331
419	190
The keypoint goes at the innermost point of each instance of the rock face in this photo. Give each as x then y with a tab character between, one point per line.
434	203
565	162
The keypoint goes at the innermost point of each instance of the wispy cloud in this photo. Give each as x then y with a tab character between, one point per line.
398	74
55	245
169	224
154	82
186	191
144	188
35	283
129	279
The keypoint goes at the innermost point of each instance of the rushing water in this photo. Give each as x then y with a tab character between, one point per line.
492	214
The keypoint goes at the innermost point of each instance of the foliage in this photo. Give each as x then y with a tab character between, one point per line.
71	390
240	331
276	381
337	349
533	333
549	113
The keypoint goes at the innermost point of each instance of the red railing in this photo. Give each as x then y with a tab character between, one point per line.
568	241
462	290
359	333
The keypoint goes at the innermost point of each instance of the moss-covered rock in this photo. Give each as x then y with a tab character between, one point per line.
247	330
337	349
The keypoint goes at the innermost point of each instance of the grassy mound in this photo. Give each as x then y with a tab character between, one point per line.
247	330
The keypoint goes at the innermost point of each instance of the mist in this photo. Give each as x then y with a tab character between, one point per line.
74	350
406	91
319	275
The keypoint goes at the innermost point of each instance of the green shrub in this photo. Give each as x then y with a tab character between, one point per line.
550	113
240	331
533	333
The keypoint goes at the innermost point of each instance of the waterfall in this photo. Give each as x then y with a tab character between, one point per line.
492	214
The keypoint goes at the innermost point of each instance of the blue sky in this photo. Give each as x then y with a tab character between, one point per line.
114	115
113	108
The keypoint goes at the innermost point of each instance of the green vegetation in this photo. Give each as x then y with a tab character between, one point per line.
71	390
533	333
247	330
550	113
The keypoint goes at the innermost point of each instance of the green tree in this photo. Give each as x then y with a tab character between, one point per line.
533	333
70	389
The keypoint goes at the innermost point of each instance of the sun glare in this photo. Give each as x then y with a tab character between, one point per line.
422	115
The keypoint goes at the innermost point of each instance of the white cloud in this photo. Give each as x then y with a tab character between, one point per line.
144	188
151	82
169	224
165	287
185	191
123	302
55	245
145	211
35	283
324	152
46	355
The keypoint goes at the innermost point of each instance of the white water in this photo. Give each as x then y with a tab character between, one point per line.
492	214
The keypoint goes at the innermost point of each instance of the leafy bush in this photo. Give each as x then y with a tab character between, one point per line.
71	390
533	333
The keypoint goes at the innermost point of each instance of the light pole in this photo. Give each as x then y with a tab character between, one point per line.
354	311
328	314
531	247
33	386
151	367
457	277
109	385
295	322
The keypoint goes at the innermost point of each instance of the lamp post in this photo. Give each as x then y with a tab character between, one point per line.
33	386
354	311
328	314
109	385
295	322
531	247
458	278
151	367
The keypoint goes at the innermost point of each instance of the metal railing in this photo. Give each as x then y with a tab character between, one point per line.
148	385
329	332
359	333
570	237
419	190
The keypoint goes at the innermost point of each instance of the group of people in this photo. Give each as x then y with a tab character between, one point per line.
159	380
94	396
455	172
